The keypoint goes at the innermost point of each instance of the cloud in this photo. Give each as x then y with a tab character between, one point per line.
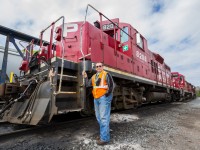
171	27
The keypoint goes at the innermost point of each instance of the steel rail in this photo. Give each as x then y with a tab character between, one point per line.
73	122
17	133
3	122
36	129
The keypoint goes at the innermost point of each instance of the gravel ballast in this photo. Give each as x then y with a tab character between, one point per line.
172	126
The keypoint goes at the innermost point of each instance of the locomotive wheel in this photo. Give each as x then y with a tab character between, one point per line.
135	96
131	99
168	98
173	97
85	113
118	102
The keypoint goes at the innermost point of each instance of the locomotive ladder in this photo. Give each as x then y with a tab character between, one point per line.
65	77
67	92
68	97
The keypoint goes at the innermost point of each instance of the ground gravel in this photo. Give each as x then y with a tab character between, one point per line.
174	126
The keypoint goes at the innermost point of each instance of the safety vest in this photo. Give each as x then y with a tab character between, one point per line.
100	90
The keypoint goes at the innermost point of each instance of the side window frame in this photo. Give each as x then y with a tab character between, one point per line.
140	41
123	36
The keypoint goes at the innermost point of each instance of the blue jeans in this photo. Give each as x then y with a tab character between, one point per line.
102	107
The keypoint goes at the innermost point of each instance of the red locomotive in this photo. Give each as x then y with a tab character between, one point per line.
52	83
187	90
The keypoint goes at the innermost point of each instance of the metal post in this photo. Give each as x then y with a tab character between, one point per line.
51	41
12	40
5	60
101	27
31	47
11	77
28	53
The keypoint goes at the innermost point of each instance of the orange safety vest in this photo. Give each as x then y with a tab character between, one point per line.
100	90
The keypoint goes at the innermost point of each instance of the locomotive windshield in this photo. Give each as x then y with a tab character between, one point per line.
174	75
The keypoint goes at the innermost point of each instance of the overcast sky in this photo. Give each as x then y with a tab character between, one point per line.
172	27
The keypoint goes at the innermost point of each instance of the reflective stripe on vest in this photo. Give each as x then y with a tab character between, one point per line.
102	87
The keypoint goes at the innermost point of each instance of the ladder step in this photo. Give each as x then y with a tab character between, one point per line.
69	110
69	76
67	92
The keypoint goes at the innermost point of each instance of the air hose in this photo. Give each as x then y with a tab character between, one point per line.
11	102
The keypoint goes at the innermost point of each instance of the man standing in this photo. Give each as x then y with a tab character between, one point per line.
103	87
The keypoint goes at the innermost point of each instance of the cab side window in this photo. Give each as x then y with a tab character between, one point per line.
139	40
124	36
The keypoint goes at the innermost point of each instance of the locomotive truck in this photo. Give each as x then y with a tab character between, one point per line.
51	82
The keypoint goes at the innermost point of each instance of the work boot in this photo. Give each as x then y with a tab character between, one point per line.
99	142
98	138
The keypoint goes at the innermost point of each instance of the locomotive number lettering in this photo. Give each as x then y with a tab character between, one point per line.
108	26
141	56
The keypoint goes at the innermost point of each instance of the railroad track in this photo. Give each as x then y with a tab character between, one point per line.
17	133
36	129
3	122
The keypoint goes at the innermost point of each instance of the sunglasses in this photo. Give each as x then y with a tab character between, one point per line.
98	66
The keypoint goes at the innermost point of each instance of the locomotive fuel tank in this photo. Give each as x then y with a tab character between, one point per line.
157	96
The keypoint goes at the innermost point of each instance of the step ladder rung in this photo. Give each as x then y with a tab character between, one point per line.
67	92
68	76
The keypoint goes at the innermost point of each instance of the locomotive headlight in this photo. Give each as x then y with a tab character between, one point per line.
58	34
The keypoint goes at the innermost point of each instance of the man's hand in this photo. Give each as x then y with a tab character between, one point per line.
107	94
84	74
